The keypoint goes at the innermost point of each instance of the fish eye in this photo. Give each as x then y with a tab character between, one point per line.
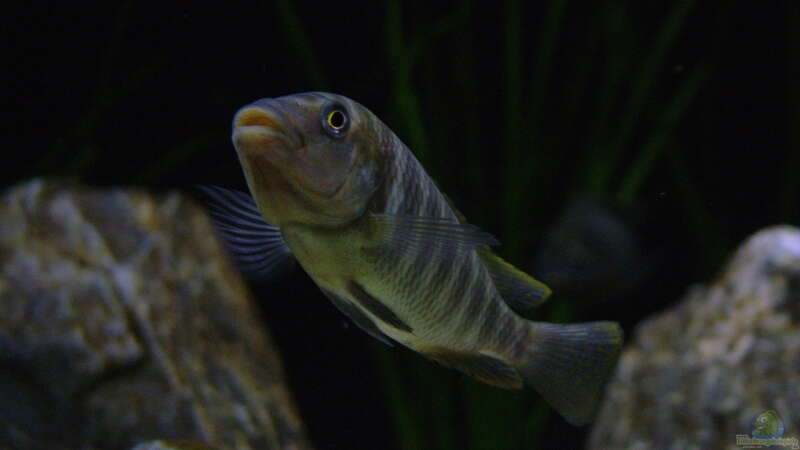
335	120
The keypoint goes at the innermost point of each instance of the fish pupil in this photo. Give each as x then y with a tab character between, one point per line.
336	119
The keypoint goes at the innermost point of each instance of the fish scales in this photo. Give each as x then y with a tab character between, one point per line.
441	284
466	282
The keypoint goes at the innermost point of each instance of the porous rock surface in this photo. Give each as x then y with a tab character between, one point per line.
121	321
696	376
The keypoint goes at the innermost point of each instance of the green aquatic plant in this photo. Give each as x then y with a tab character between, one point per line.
431	409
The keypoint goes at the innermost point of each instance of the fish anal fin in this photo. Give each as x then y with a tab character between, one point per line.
486	367
520	291
358	317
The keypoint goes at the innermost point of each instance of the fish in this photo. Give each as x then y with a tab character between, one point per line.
594	252
333	189
768	425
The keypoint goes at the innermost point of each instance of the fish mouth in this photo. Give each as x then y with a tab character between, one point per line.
260	127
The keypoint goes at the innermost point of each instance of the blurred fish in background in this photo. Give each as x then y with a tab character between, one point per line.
593	251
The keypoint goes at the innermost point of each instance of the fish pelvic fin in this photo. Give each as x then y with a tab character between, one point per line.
358	317
521	292
376	307
569	365
257	248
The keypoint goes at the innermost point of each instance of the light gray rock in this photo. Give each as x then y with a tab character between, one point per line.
122	321
171	445
697	375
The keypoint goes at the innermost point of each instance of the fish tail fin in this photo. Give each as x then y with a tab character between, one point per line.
569	365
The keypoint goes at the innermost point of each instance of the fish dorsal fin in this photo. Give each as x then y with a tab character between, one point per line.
257	247
521	292
461	218
417	231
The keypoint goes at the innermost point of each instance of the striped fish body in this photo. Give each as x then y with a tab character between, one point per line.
350	202
440	293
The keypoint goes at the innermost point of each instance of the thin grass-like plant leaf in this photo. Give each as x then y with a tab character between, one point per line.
512	133
522	160
642	89
708	231
790	195
404	102
79	140
295	32
408	428
643	164
175	156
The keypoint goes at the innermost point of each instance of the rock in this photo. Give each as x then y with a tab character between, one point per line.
698	375
172	445
122	321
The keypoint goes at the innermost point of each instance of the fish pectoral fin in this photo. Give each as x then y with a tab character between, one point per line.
421	231
520	291
358	317
257	247
486	367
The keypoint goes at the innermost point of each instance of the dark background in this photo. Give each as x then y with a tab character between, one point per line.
620	150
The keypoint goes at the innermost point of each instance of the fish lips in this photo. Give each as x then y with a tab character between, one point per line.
265	134
260	129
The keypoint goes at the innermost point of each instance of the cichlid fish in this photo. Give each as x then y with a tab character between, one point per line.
334	189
